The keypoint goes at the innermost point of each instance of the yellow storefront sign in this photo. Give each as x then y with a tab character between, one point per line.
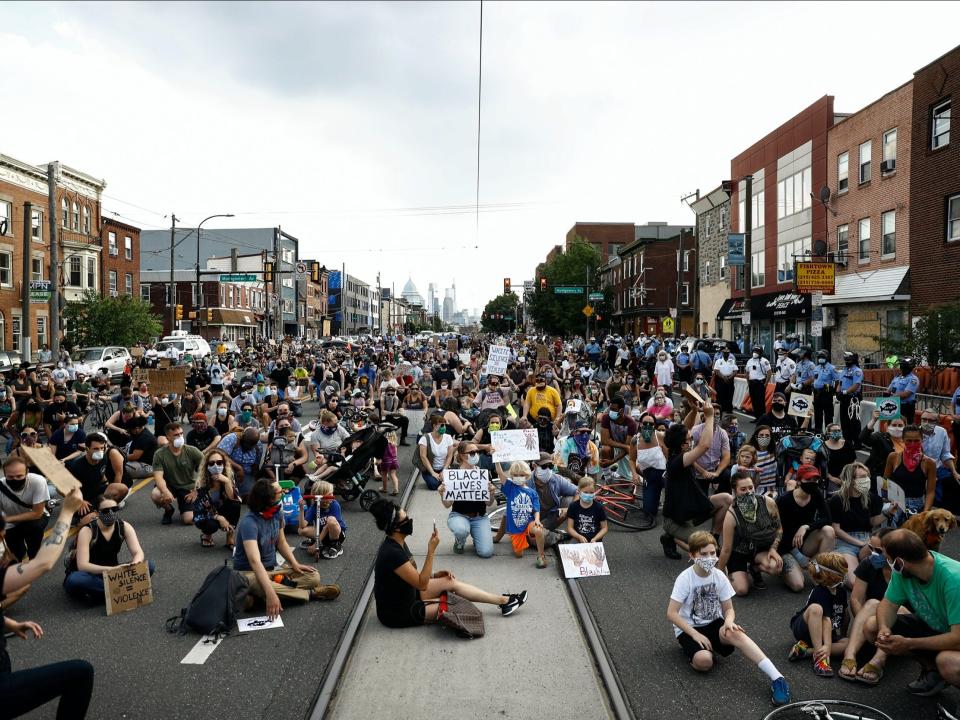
811	277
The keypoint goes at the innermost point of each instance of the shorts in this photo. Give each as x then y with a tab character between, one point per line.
801	632
181	496
691	647
520	541
415	616
846	548
683	531
794	560
911	626
739	562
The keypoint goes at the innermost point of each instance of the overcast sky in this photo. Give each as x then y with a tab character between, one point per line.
334	120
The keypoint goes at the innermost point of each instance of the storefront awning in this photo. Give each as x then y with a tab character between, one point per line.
732	309
874	286
226	316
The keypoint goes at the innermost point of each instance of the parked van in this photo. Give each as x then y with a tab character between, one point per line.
185	344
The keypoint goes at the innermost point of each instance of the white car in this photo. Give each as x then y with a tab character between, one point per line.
195	345
113	358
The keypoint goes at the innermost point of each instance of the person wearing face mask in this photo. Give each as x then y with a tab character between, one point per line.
757	370
541	396
663	371
246	418
223	420
436	451
856	511
245	396
881	442
56	412
936	445
284	454
704	620
586	518
807	526
245	453
649	461
781	423
905	386
751	534
175	468
100	472
217	505
139	452
469	518
617	430
555	492
850	391
202	435
786	369
839	453
166	410
68	441
819	627
914	472
23	502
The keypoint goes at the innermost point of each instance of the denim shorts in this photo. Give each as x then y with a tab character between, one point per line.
846	548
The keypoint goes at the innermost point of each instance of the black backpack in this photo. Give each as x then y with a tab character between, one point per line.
213	610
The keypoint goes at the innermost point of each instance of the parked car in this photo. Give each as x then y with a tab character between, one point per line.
113	358
9	361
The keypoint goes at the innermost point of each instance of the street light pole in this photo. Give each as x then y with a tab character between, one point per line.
199	286
173	285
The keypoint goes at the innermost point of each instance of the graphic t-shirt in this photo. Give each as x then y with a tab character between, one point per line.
834	606
587	521
266	532
700	598
522	503
937	602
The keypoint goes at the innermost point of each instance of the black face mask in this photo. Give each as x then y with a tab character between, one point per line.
809	488
16	485
108	516
779	407
404	527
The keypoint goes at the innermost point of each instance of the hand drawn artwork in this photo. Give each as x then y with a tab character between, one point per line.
583	560
706	604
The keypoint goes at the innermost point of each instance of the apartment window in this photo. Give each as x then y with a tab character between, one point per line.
757	267
865	151
287	255
128	284
843	237
888	226
287	305
843	171
723	267
685	294
793	193
41	331
86	219
16	334
864	240
230	297
889	163
787	255
953	218
36	268
145	292
6	211
686	261
742	217
940	125
6	269
76	272
91	272
65	212
36	226
113	283
128	247
112	241
76	217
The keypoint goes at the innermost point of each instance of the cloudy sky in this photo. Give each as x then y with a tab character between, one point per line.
354	126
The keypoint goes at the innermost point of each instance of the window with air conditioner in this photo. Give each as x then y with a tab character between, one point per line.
843	171
843	237
940	125
953	218
888	226
113	283
865	164
889	163
864	240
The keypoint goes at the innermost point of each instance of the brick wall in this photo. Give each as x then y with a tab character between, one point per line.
602	235
119	263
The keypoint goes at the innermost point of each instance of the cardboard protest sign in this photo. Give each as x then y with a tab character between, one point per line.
259	623
136	352
497	360
510	445
452	345
799	404
51	468
169	380
464	358
471	485
139	375
889	408
127	587
543	353
583	560
692	395
163	363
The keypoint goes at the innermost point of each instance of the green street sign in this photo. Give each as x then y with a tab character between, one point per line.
596	296
568	290
238	278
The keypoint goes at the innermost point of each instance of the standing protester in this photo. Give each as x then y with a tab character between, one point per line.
758	375
724	372
824	386
786	368
850	390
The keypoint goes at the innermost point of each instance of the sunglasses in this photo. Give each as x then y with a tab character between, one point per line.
28	434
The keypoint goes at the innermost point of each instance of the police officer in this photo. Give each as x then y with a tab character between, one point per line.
824	383
758	374
806	371
905	386
785	370
684	368
850	389
724	372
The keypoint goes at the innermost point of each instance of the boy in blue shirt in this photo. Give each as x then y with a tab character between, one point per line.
321	523
523	511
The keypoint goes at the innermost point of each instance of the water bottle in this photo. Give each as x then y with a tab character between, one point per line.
150	424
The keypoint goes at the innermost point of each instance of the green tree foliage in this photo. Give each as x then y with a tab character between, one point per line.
563	314
502	305
122	320
933	338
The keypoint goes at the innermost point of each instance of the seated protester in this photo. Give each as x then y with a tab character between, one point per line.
124	397
468	518
23	502
872	578
269	400
217	505
456	425
118	425
586	519
223	421
68	441
882	443
819	627
807	457
245	397
320	521
142	400
29	417
283	414
245	453
293	396
82	390
406	596
245	419
807	526
780	422
914	472
713	467
856	511
484	440
100	472
166	411
55	414
190	404
260	537
175	468
140	451
731	424
436	450
203	435
328	438
751	534
284	454
579	455
522	512
556	493
701	610
98	551
765	460
840	453
660	406
415	399
392	412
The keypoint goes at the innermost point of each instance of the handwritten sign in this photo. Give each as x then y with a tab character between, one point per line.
170	380
800	405
470	485
583	560
889	408
543	353
510	445
497	360
136	352
259	623
452	345
127	587
51	468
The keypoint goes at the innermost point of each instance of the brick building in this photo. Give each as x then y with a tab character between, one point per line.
713	225
120	271
868	224
607	238
316	299
934	148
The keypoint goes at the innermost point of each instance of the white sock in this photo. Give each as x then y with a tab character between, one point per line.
769	669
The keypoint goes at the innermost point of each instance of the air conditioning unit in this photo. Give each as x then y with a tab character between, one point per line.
113	293
114	251
888	166
838	258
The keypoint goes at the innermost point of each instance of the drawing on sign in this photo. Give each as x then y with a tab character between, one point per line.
889	490
583	560
127	587
259	623
889	407
510	445
470	485
497	360
800	405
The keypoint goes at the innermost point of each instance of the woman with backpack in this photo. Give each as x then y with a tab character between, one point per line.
98	551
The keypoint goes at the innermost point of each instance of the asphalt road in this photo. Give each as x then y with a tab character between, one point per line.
266	674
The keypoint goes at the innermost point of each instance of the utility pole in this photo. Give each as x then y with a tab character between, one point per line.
25	285
748	258
53	170
696	273
586	289
379	306
677	323
173	284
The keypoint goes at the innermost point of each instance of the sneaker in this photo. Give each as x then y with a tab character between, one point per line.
669	547
799	651
928	684
167	516
541	562
325	592
458	544
757	577
822	668
333	551
780	691
513	603
307	543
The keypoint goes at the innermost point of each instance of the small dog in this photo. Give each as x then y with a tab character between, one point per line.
931	526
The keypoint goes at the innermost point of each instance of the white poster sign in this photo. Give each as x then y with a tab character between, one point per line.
583	560
510	445
890	491
800	405
471	485
259	623
497	360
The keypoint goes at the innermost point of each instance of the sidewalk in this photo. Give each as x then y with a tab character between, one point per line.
512	672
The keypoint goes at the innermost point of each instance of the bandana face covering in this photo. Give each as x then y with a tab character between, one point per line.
912	452
271	511
581	440
747	505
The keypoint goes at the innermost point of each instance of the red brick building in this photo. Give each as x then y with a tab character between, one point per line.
120	271
607	238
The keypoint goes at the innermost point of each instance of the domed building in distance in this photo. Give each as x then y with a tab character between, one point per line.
411	294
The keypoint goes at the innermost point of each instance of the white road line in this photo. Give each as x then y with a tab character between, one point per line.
201	651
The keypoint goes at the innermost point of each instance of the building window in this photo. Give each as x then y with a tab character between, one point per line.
757	267
888	226
76	217
288	283
686	261
896	324
113	283
757	203
41	331
843	237
36	226
940	125
230	297
864	240
65	212
76	273
865	150
953	218
843	171
194	295
287	255
36	268
793	193
6	269
91	273
723	267
787	255
128	247
16	334
128	283
112	241
6	211
685	294
145	292
889	163
741	216
86	219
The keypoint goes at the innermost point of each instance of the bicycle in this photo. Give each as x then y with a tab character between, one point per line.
826	710
619	498
99	411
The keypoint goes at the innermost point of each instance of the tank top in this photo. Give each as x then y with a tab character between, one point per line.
105	551
914	483
651	457
752	537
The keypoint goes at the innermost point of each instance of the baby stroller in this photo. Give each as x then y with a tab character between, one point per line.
354	470
788	453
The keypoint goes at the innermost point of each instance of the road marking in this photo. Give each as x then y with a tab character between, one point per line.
202	650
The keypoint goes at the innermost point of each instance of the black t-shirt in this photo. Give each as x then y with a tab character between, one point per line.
874	578
840	458
834	606
67	447
144	441
91	477
4	657
684	498
163	415
281	376
67	408
587	520
857	518
201	440
815	514
443	375
396	599
779	427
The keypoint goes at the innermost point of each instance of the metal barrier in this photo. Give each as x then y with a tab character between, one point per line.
940	403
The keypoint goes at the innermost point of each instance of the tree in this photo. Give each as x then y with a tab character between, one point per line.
500	314
563	314
122	320
933	338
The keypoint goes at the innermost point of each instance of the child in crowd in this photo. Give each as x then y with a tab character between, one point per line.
701	610
819	627
807	457
586	518
321	523
747	463
523	511
389	465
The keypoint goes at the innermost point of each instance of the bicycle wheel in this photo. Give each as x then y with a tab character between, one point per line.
496	517
826	710
625	513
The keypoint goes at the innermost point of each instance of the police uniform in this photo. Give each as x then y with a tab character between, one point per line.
806	374
757	370
851	376
785	369
824	385
908	405
725	371
684	367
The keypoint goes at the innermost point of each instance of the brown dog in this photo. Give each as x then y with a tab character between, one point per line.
931	526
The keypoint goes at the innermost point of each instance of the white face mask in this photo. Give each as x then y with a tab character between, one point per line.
473	458
521	481
97	455
222	412
895	431
543	473
165	401
178	441
706	563
862	484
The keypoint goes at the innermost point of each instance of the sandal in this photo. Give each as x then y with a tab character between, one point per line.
870	669
822	668
848	670
206	541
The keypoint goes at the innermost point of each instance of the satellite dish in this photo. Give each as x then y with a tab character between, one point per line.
825	194
820	246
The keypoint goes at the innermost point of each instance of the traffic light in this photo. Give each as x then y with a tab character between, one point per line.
179	312
315	272
209	315
543	284
506	286
268	272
